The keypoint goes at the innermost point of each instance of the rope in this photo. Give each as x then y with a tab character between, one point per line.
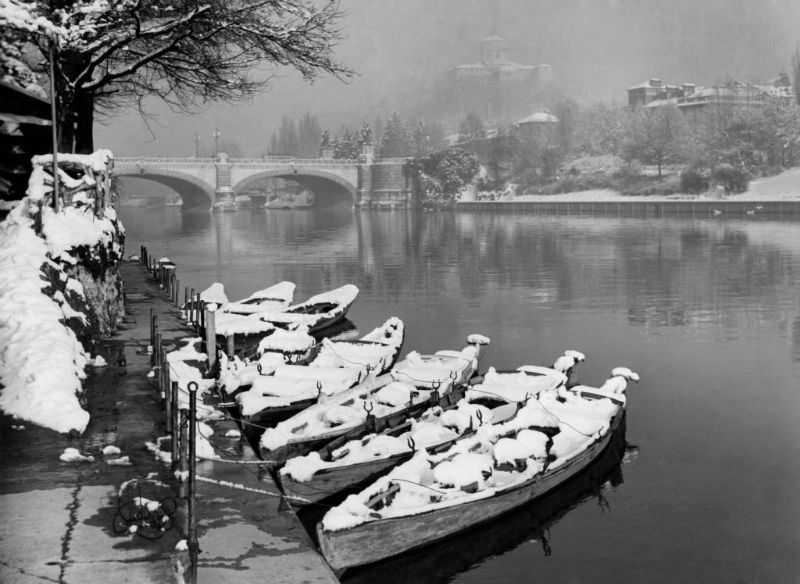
419	485
239	487
356	363
568	425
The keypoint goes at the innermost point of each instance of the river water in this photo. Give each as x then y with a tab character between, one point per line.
706	311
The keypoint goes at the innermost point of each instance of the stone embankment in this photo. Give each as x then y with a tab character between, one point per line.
777	195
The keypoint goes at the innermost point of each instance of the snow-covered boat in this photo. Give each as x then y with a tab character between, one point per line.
536	523
348	463
385	401
498	468
276	297
316	313
335	365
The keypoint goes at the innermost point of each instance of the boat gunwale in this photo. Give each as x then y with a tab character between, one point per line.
419	521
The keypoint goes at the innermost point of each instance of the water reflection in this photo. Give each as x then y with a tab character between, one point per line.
707	311
526	525
659	273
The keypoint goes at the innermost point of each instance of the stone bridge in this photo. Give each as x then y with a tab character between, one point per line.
204	182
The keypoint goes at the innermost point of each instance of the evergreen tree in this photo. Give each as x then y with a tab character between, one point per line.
395	140
347	145
309	136
285	142
796	72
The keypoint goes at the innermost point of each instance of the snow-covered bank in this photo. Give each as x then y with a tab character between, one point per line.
781	187
43	301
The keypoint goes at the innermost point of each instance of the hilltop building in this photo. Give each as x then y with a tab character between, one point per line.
689	97
495	88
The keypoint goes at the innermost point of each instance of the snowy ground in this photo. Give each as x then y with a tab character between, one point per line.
785	186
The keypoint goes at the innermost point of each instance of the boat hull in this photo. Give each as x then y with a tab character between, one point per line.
303	447
331	482
377	540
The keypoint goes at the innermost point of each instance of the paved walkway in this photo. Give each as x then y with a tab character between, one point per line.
57	518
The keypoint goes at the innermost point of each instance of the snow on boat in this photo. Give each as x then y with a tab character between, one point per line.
284	390
316	313
346	464
385	401
496	469
276	297
529	524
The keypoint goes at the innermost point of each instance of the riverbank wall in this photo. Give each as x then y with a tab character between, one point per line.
641	208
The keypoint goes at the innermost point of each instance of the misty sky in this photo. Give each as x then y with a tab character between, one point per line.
597	48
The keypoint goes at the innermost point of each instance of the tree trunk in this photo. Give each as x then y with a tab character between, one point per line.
66	123
84	124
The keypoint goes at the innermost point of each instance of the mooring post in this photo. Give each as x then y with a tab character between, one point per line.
165	381
157	355
191	511
174	425
191	307
211	335
183	454
153	334
197	312
168	409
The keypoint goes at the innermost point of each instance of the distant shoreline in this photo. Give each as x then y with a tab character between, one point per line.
781	187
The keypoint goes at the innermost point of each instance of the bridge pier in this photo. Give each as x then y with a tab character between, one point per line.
224	197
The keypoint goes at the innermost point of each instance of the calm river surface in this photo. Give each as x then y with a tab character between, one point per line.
706	311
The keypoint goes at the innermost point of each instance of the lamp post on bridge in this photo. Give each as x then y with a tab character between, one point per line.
217	135
196	145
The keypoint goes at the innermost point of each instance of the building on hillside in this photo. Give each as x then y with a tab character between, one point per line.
496	89
689	97
540	123
25	130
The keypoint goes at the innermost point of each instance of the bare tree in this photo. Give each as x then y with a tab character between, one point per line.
109	53
653	136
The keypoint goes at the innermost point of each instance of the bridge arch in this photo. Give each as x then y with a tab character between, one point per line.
310	178
196	193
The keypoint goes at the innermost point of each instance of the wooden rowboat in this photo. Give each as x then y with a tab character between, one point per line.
411	387
318	312
415	504
347	463
335	366
529	524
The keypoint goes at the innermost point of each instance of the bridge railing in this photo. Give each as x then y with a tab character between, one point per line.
184	162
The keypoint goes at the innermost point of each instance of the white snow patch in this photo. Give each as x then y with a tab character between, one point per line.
121	461
98	361
74	455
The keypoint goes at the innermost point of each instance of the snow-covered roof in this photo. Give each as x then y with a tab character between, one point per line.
539	118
